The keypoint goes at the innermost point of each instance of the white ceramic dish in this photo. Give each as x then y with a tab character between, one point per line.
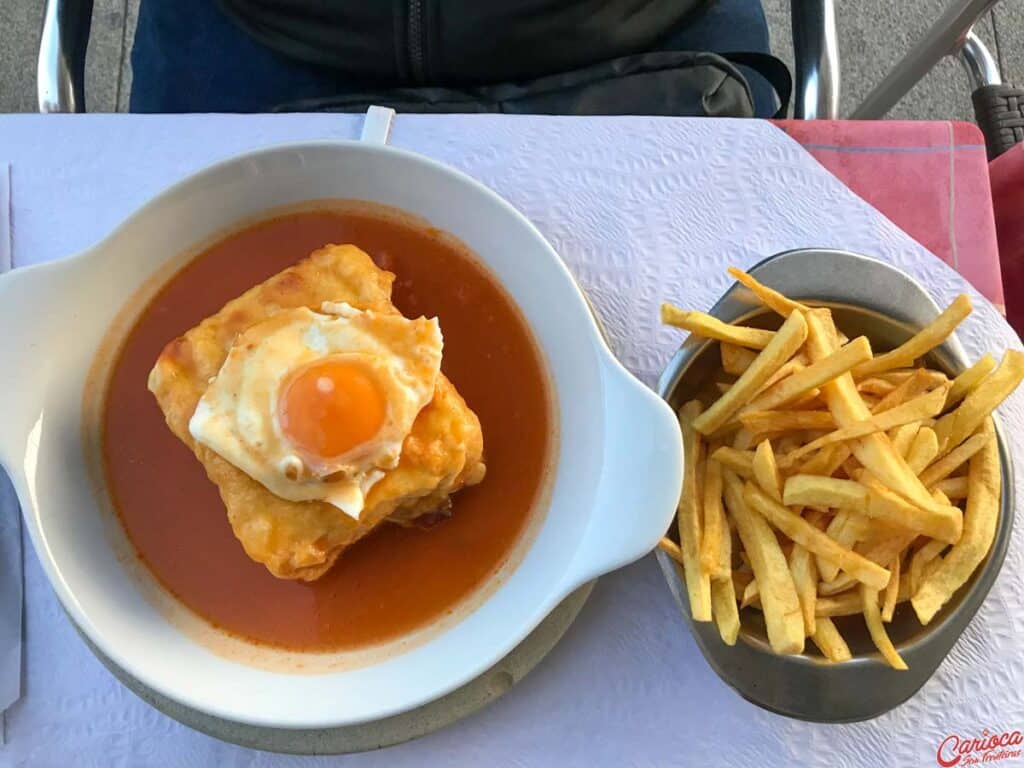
614	486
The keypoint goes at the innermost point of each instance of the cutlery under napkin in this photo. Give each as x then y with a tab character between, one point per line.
10	525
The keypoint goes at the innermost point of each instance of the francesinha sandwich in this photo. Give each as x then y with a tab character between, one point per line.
319	411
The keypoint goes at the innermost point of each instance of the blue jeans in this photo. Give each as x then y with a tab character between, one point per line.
190	57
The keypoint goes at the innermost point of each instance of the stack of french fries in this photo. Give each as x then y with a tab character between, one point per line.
824	480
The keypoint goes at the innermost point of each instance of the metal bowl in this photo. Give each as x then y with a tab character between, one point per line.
875	299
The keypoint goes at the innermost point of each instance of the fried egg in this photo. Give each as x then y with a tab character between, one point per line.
316	405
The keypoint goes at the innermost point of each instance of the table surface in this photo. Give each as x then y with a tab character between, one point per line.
640	209
930	178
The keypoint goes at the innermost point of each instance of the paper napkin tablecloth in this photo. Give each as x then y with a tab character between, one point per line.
641	209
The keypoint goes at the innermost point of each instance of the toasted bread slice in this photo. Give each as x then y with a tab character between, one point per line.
301	540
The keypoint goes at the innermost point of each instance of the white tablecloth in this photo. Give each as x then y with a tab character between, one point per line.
640	209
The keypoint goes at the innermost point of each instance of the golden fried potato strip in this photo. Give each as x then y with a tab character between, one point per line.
769	297
829	641
698	585
808	536
953	428
873	618
782	614
703	324
967	381
785	342
921	343
874	451
716	543
984	480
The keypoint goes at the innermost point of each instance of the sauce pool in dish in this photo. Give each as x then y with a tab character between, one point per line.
397	580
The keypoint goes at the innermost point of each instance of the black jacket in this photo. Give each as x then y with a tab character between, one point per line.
457	42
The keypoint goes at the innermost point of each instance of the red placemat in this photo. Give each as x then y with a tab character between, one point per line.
930	178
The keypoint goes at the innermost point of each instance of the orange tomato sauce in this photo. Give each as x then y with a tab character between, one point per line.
396	580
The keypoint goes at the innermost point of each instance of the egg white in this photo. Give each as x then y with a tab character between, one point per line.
237	416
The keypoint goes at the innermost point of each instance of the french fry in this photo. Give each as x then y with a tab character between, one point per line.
866	496
875	386
784	343
826	461
944	467
870	401
716	544
808	401
884	548
829	641
766	472
919	382
923	450
953	428
740	578
766	422
811	377
846	604
703	324
805	577
740	462
851	467
874	451
735	359
779	601
723	608
839	475
944	521
671	549
921	343
840	583
743	440
892	591
930	567
818	491
873	618
809	537
984	485
788	441
845	529
921	558
970	379
922	407
954	488
751	595
903	437
698	585
788	368
770	298
898	375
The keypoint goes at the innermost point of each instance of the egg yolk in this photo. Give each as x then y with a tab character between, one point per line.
329	408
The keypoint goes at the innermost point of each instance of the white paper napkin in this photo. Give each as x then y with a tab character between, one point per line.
10	525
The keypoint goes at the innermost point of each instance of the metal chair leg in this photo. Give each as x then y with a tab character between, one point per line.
60	69
982	67
816	54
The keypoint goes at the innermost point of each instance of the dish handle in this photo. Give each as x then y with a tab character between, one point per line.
34	330
641	477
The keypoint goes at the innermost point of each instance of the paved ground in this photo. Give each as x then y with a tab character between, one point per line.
872	36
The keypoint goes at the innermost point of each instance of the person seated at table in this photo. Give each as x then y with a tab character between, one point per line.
260	55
